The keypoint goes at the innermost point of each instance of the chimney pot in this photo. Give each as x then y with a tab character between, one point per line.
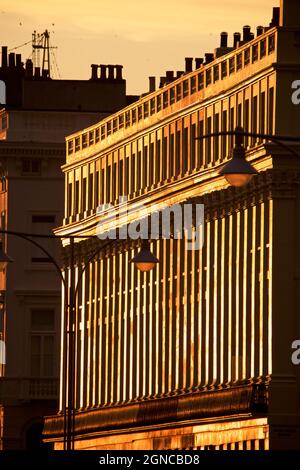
259	30
29	68
209	57
102	72
188	64
170	76
198	62
162	82
11	60
236	39
119	72
224	39
4	56
94	68
152	84
111	74
246	33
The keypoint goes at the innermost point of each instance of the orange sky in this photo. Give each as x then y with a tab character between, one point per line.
147	36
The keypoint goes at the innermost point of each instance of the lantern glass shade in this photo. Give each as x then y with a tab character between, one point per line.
238	179
144	267
238	171
145	260
4	259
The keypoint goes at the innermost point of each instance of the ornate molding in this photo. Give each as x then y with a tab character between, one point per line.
171	410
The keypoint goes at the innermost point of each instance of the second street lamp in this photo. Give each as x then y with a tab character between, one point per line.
145	260
238	171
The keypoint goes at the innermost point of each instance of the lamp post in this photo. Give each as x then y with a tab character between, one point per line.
238	171
144	260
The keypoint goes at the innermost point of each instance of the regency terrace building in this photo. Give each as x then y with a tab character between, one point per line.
195	354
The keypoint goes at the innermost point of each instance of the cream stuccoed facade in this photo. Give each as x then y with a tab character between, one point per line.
197	353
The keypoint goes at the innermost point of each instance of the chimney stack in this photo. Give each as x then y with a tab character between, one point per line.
188	64
259	30
19	61
37	72
209	57
169	76
119	72
94	68
4	56
179	73
29	68
276	17
152	84
162	82
102	72
236	39
246	33
224	39
11	60
198	62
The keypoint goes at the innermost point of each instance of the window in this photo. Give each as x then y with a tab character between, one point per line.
31	166
231	65
193	85
185	88
254	117
247	57
239	61
216	73
91	191
172	95
271	43
271	111
200	81
208	141
165	99
146	110
224	137
84	141
178	92
70	145
208	77
185	143
42	224
262	113
83	201
193	146
70	194
177	162
263	48
216	139
42	343
224	69
255	53
200	143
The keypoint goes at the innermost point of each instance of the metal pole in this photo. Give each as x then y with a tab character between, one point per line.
70	337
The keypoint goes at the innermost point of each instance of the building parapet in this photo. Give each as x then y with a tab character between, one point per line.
185	89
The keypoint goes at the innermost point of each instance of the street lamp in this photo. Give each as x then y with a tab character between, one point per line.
238	172
144	260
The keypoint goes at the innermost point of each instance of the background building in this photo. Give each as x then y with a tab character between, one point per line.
37	115
195	354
